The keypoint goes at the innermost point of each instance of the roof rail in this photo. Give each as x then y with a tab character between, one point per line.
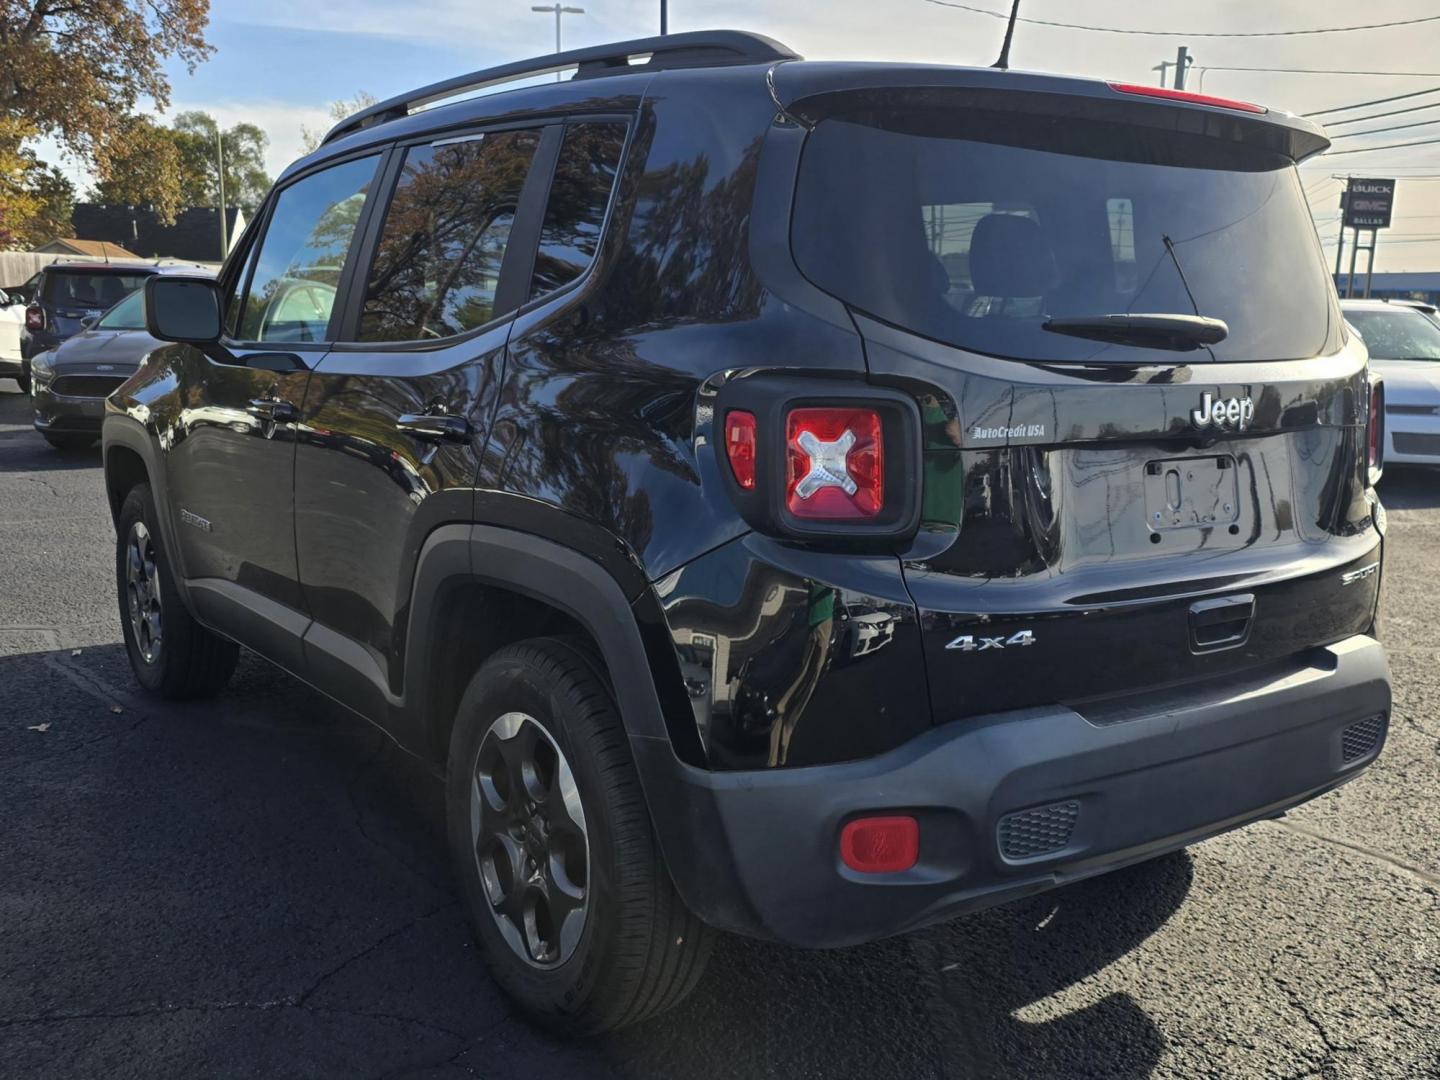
701	48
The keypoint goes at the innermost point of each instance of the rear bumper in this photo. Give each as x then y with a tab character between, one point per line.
755	852
1412	440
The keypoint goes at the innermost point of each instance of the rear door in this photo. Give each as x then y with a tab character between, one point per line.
1111	502
232	453
396	415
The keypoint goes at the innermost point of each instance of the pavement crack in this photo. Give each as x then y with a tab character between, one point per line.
305	995
1427	877
42	482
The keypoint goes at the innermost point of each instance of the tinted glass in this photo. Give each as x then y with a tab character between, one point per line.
579	194
129	314
437	264
1400	334
975	227
302	254
89	288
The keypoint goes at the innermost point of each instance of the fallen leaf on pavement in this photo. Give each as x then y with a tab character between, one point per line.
74	652
39	727
116	709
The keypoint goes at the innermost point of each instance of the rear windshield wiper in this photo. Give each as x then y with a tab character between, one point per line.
1178	332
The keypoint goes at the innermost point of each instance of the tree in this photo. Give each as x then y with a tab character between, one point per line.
339	110
145	169
76	69
246	180
36	199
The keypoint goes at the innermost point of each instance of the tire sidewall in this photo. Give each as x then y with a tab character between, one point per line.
510	683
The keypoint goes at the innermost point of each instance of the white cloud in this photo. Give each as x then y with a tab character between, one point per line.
280	120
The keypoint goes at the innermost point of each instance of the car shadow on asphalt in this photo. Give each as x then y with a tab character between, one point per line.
318	846
1410	488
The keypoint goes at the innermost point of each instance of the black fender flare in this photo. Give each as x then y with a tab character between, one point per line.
552	574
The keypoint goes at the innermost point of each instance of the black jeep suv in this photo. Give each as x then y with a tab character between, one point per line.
810	500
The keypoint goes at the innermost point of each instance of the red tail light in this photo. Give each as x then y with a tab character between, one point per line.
34	317
880	845
740	447
1186	96
834	464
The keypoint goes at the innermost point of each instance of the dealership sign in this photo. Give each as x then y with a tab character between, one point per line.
1368	203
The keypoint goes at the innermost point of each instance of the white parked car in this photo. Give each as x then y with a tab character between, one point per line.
1404	344
12	319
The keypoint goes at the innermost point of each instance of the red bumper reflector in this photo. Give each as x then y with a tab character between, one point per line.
740	447
1186	96
880	845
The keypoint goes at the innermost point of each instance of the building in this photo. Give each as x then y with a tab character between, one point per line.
93	249
1421	285
194	237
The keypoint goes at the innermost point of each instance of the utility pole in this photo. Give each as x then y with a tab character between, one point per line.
220	182
664	18
559	10
1182	62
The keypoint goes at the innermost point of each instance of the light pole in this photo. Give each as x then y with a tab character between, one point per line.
220	183
664	18
559	10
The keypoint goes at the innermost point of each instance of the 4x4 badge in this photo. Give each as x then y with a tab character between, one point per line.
1235	412
971	643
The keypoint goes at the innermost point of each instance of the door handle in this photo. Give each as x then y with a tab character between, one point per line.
435	427
274	410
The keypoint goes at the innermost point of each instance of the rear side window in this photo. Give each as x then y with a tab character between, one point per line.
974	227
579	195
300	258
437	264
89	289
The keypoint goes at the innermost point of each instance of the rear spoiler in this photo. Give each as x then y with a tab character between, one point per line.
810	92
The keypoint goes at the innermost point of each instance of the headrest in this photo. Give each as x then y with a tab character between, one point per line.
1010	256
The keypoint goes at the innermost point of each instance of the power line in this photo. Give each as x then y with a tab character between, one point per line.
1186	33
1322	71
1393	127
1380	115
1377	101
1387	146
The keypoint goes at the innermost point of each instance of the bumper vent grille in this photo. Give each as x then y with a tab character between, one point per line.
1360	738
1039	831
85	385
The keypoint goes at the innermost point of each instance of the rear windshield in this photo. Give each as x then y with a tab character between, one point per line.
89	288
975	227
1398	334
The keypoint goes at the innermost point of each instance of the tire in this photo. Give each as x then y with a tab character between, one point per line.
23	382
68	441
185	660
639	950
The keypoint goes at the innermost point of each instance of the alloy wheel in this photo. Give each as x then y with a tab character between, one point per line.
532	850
142	592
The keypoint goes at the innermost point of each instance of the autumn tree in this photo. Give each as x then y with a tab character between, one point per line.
76	70
36	200
339	110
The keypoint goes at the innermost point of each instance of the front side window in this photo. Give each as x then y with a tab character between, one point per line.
437	264
129	314
579	194
302	254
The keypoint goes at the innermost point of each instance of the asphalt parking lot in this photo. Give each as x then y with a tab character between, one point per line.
256	886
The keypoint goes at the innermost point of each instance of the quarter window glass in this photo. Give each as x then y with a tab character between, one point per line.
437	265
579	194
303	253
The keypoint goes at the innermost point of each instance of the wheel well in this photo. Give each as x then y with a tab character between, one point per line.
474	621
124	468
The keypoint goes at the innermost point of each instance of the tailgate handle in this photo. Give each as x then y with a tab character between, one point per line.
1222	623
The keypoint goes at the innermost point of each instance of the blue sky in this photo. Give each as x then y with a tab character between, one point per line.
279	63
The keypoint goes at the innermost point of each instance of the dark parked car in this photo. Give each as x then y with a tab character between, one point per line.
811	500
67	294
70	382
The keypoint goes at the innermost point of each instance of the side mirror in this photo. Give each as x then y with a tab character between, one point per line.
185	309
89	321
